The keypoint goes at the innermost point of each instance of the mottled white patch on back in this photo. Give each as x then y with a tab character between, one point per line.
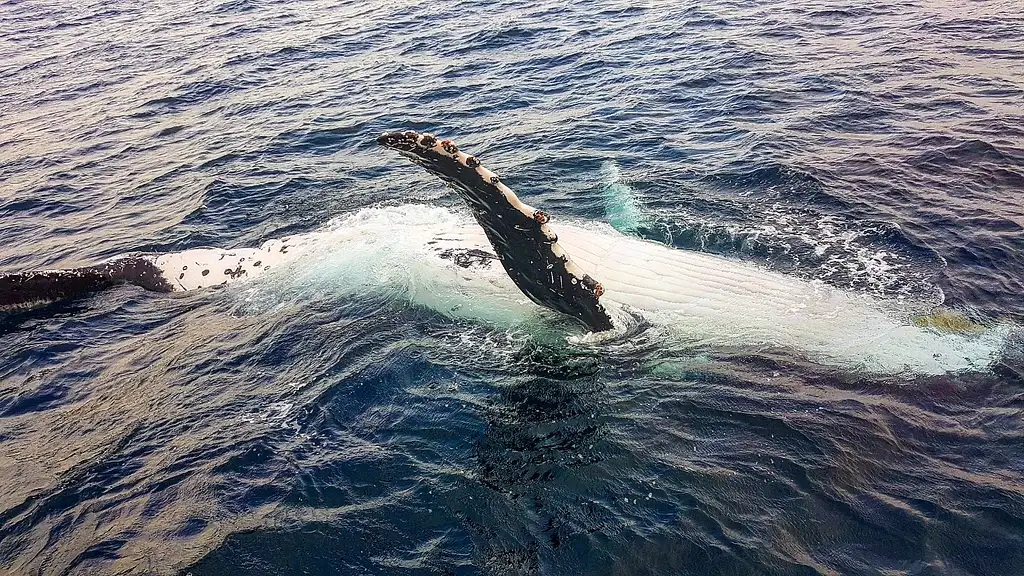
204	267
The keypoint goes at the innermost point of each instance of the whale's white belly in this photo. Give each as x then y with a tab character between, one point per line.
703	299
719	301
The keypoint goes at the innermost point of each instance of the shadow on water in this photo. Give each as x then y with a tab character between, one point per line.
656	464
444	502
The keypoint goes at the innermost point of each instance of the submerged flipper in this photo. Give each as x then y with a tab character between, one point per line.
527	249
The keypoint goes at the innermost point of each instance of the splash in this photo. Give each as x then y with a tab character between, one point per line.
621	205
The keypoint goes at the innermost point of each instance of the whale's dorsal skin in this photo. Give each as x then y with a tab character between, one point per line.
526	248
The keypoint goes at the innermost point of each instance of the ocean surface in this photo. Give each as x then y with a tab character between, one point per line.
874	146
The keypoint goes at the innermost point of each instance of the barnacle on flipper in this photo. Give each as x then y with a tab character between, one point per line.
948	321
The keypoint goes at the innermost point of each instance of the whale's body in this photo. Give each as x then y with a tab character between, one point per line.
441	260
459	265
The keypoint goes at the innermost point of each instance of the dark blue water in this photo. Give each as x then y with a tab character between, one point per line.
876	146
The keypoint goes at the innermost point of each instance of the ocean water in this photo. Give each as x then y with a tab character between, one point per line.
874	146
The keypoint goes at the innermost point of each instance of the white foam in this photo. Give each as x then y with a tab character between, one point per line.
621	204
843	251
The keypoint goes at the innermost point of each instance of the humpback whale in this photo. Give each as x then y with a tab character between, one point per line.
482	266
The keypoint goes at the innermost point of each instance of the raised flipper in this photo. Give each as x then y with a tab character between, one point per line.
527	249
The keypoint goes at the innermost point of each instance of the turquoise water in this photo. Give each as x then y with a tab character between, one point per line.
875	147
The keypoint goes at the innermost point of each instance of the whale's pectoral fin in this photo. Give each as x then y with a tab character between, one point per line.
27	289
191	269
519	234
